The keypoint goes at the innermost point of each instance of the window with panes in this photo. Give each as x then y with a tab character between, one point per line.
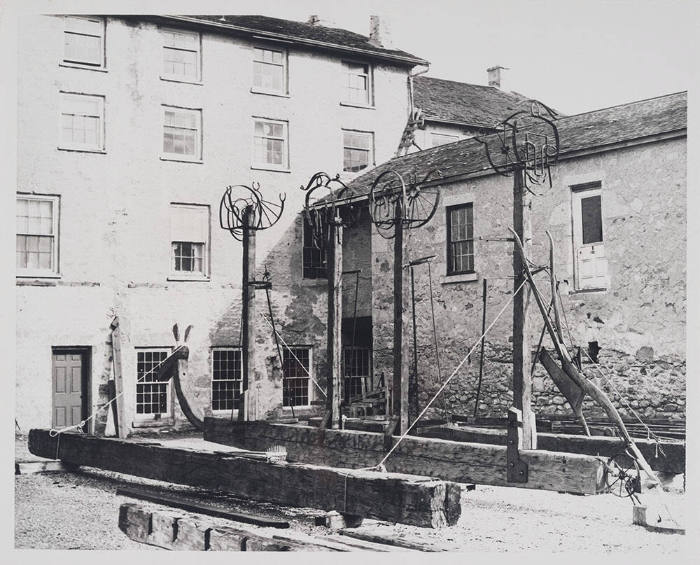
270	70
460	240
357	366
357	150
83	41
36	234
358	87
270	144
182	133
296	370
82	122
152	397
314	253
227	378
181	55
189	236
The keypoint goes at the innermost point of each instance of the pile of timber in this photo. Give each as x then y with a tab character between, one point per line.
391	497
439	458
667	456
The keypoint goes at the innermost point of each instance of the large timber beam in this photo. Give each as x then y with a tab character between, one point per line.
419	501
444	459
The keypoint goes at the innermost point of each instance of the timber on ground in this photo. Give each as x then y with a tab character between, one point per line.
392	497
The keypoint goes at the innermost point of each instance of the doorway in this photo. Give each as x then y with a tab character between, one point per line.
70	370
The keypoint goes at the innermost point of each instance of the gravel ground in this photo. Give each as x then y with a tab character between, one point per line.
80	511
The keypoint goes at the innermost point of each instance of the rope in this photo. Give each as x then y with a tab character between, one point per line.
464	359
79	427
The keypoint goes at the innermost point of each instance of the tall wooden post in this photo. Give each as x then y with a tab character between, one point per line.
334	251
413	375
522	378
248	313
120	424
400	377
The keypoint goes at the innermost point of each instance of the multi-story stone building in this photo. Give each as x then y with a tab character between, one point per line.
130	128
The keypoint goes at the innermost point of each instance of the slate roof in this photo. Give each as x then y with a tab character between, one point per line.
334	39
581	132
458	102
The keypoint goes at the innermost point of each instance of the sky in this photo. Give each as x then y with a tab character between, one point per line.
573	55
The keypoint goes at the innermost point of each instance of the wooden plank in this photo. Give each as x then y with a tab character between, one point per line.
391	540
419	501
201	508
32	467
120	423
335	318
449	460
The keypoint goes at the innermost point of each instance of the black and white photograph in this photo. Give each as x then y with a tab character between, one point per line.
367	276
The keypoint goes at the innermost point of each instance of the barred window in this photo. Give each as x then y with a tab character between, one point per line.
460	240
152	397
296	367
314	260
227	378
357	371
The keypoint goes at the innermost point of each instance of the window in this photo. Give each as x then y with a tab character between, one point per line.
83	41
357	150
152	397
189	237
269	70
358	84
82	122
37	235
314	259
181	55
357	363
589	250
442	138
270	144
296	369
227	378
182	133
460	240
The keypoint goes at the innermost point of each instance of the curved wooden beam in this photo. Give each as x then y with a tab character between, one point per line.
174	367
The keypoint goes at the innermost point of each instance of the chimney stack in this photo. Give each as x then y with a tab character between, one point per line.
379	33
313	20
495	76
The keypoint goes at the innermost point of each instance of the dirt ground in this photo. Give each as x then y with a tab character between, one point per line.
80	510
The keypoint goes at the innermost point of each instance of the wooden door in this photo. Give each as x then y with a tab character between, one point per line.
589	248
68	385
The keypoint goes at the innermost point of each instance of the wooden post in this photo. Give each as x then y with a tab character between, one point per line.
413	375
400	378
120	412
248	313
334	256
522	377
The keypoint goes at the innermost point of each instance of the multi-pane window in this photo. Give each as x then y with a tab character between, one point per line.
182	133
460	240
442	138
358	86
37	234
82	122
189	237
314	259
296	370
83	41
270	144
357	150
181	58
270	70
357	371
227	378
152	397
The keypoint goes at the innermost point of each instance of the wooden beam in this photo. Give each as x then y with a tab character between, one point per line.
335	318
391	497
120	423
399	392
443	459
248	313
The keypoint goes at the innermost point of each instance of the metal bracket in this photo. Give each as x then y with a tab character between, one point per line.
516	469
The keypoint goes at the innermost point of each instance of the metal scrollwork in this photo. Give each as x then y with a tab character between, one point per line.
240	201
324	205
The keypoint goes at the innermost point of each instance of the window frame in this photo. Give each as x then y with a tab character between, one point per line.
54	271
72	146
102	66
315	271
215	349
284	167
165	417
180	157
203	275
309	377
448	240
370	162
198	59
345	99
578	193
366	352
285	71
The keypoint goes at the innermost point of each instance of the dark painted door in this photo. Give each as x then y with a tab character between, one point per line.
68	384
